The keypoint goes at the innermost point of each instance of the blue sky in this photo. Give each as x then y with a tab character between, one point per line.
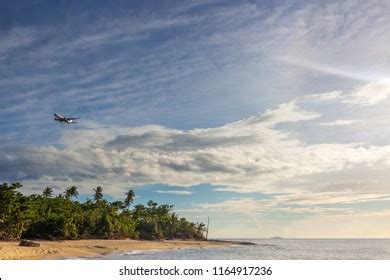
271	117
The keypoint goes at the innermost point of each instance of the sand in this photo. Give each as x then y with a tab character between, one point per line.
93	248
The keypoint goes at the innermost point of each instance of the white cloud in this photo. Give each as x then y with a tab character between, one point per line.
346	40
175	192
326	69
328	96
297	203
364	95
340	123
287	112
369	94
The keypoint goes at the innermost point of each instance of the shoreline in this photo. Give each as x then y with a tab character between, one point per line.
94	248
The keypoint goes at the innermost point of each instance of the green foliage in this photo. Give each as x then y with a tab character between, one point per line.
47	217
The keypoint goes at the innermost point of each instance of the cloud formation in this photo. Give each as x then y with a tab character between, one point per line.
340	123
251	155
364	95
175	192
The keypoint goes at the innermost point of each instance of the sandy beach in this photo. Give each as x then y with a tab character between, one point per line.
94	248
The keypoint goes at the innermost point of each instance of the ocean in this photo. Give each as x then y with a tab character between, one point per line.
275	249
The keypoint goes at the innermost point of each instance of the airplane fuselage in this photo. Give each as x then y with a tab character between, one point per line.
63	119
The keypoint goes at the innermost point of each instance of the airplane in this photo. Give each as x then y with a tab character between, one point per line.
61	119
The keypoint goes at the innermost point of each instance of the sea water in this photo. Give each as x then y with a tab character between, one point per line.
276	249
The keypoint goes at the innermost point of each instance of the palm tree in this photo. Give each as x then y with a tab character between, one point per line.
129	198
47	192
71	192
98	196
200	230
173	222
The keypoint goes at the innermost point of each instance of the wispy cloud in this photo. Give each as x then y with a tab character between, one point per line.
363	95
369	94
299	203
175	192
340	123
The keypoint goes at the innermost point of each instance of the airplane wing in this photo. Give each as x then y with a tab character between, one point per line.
72	118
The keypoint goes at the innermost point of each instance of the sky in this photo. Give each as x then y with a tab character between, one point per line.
270	117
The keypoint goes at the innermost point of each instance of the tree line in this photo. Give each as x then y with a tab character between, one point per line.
46	216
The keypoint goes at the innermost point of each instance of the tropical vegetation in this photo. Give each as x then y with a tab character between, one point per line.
45	216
